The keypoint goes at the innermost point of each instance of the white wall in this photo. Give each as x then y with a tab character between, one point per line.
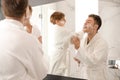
83	9
46	12
109	10
41	2
68	7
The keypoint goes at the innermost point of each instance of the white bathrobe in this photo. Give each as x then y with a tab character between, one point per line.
93	57
20	53
35	31
58	51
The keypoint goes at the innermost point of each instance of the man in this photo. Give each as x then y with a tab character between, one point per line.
20	54
92	50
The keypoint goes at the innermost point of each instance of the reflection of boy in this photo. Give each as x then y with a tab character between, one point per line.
60	45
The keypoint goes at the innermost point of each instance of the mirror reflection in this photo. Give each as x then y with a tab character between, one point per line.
75	18
79	38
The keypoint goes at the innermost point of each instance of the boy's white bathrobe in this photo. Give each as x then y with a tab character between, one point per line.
93	57
58	51
21	56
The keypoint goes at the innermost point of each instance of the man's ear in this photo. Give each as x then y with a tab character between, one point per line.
96	26
26	12
24	18
25	15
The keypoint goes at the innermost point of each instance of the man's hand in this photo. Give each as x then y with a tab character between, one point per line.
40	39
76	41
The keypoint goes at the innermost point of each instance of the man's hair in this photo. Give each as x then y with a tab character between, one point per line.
56	16
14	8
30	8
97	20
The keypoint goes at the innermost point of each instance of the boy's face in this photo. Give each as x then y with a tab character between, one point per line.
61	22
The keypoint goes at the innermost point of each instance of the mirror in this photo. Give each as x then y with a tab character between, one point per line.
71	18
107	9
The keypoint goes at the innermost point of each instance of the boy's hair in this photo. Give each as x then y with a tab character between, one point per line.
56	16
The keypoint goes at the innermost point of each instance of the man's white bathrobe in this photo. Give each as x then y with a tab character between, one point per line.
93	57
21	56
58	51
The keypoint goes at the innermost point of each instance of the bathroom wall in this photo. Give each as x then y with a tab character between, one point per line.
41	2
109	10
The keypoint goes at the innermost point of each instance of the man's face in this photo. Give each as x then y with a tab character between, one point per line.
28	16
89	25
28	13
